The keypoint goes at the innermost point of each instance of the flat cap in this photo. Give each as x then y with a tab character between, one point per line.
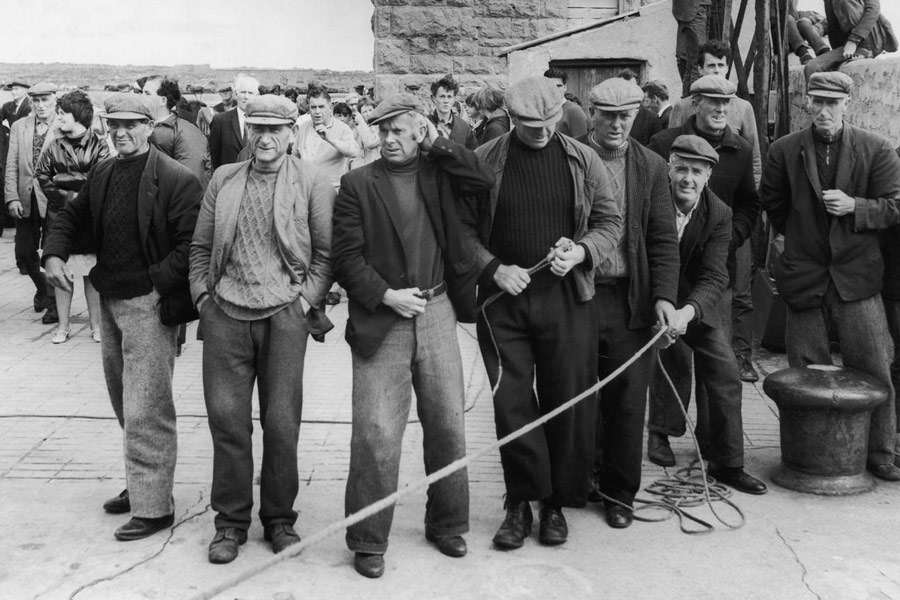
615	94
534	101
222	90
395	105
128	106
830	84
714	86
42	88
269	109
693	146
19	84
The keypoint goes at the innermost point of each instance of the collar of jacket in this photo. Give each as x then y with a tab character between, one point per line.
729	137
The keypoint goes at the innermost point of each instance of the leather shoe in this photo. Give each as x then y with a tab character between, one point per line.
224	546
740	480
887	472
138	527
748	373
658	450
449	545
515	527
119	504
41	302
369	565
281	535
554	530
618	517
50	317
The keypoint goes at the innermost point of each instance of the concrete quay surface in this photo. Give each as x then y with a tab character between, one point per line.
61	457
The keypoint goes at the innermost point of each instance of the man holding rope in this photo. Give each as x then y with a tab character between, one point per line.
551	194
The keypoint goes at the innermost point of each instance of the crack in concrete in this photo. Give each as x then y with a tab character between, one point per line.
883	574
798	561
146	560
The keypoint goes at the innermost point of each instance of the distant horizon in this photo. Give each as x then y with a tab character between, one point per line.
200	64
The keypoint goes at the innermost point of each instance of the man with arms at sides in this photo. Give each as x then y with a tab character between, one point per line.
443	94
227	132
324	140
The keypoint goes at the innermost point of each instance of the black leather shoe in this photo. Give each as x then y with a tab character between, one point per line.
748	373
658	450
369	565
224	547
50	317
516	526
449	545
887	472
554	530
618	517
138	528
281	535
118	505
40	301
740	480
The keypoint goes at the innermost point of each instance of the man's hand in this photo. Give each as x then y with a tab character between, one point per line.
665	313
58	273
849	49
683	316
837	203
15	209
512	279
204	118
564	256
405	302
431	133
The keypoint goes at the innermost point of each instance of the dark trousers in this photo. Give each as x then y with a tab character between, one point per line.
236	354
620	423
546	340
717	371
892	311
691	35
29	233
742	302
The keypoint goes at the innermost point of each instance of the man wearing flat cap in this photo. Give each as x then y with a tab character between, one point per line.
260	268
703	318
24	198
400	253
831	189
635	290
552	207
142	206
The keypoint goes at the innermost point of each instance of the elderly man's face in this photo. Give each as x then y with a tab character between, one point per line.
827	113
400	138
612	128
712	113
244	90
534	137
320	111
44	106
269	143
687	178
130	135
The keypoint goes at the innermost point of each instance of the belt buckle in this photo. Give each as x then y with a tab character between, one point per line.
427	295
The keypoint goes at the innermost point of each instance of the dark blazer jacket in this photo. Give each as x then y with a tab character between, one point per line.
819	249
664	118
645	126
9	113
168	201
460	131
704	251
367	252
225	138
651	239
890	250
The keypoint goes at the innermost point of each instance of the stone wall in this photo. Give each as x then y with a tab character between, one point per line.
417	41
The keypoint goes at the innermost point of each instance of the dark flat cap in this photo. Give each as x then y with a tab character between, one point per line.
19	84
693	146
534	101
714	86
615	94
269	109
830	84
128	106
43	88
395	105
227	88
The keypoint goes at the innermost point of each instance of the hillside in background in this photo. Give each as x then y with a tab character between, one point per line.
97	77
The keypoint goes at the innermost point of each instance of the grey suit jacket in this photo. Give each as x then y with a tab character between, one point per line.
20	166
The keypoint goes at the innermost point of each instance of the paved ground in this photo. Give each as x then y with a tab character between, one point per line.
60	457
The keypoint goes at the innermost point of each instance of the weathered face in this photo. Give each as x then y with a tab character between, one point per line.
612	128
687	178
269	143
244	90
400	138
712	113
43	106
534	137
320	111
130	135
714	66
827	113
443	100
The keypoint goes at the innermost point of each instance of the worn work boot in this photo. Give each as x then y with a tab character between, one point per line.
516	526
748	373
658	450
281	535
224	546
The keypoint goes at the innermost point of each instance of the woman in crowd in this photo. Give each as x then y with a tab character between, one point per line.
489	102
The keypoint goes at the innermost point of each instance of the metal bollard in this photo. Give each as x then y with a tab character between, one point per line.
824	414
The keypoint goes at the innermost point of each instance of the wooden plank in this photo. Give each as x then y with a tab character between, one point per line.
591	13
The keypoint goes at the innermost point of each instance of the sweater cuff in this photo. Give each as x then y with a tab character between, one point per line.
698	314
486	278
856	39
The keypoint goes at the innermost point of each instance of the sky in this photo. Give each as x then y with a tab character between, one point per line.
319	34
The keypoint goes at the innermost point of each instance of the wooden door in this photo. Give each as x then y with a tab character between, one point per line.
585	74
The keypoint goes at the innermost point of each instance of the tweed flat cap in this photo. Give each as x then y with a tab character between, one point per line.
693	146
830	84
42	88
19	84
395	105
616	94
128	106
534	101
269	109
713	86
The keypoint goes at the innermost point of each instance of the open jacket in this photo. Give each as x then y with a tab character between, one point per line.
19	175
168	200
369	257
